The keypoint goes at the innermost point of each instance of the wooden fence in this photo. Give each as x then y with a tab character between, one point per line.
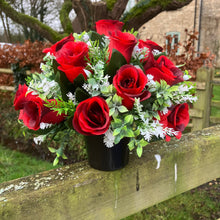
79	192
201	111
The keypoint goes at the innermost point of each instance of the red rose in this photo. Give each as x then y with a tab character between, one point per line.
73	53
164	69
107	26
178	118
32	109
57	46
72	72
92	116
130	83
123	42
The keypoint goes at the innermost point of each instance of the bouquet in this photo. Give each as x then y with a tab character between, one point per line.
107	82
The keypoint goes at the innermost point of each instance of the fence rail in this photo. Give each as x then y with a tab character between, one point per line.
80	192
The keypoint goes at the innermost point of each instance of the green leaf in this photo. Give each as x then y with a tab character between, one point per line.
118	139
41	131
94	36
81	94
129	119
65	85
69	122
116	131
64	156
117	99
117	60
143	143
79	81
111	111
56	161
129	133
122	109
52	150
139	151
131	145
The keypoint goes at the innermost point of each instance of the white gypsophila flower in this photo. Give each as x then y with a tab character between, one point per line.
156	52
86	37
45	125
165	111
38	140
71	96
186	77
150	77
89	43
183	88
109	138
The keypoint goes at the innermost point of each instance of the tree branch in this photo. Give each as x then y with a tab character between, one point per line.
31	22
118	9
147	9
64	16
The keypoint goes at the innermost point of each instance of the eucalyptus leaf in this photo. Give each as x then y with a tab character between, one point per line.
139	151
56	161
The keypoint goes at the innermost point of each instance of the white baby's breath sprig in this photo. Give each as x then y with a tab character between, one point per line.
109	138
39	139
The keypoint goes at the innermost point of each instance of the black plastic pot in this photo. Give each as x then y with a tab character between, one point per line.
107	159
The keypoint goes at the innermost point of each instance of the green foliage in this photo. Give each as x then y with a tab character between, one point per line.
110	4
117	60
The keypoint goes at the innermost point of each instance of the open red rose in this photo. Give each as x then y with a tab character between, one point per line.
178	118
32	109
54	49
164	69
92	116
107	26
123	42
130	83
73	53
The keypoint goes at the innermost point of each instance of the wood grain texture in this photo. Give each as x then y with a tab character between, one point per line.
80	192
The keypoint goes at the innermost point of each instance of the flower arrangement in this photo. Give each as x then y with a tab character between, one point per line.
107	82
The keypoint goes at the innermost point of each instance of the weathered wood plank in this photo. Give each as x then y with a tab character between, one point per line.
216	81
7	88
9	71
215	103
196	113
80	192
4	70
215	120
201	85
203	103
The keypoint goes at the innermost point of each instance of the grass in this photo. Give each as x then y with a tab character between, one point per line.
216	97
15	164
202	203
